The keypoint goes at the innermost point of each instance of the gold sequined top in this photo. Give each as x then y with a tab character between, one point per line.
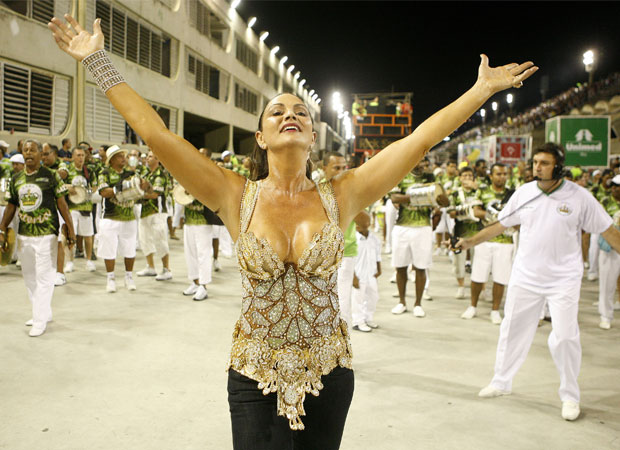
290	332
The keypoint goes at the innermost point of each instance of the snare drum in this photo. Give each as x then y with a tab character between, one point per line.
425	194
131	190
181	196
82	195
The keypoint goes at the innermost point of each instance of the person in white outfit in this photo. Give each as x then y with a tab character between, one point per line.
365	292
609	259
548	267
37	194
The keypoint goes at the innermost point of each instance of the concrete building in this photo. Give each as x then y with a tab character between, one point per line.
206	72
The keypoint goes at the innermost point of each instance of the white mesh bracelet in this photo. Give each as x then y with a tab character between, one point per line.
103	71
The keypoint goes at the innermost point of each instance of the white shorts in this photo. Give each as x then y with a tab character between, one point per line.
117	235
495	258
83	225
218	231
412	245
154	235
61	222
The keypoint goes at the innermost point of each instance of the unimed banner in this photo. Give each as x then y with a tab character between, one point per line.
585	138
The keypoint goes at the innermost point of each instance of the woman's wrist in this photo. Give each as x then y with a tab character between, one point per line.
102	70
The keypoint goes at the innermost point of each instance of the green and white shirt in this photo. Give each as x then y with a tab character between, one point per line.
464	228
35	195
194	214
414	216
487	196
159	182
81	178
612	206
112	208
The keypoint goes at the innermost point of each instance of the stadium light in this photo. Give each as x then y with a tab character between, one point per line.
263	36
311	93
275	50
251	22
483	112
290	69
297	75
509	99
494	106
318	100
588	61
234	4
302	82
284	59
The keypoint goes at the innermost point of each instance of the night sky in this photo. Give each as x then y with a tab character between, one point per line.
432	48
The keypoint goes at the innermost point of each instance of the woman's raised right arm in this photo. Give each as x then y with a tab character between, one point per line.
219	189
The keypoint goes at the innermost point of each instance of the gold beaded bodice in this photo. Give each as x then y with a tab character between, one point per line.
290	332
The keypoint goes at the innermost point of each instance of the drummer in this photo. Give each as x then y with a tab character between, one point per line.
79	185
495	256
412	239
153	228
118	225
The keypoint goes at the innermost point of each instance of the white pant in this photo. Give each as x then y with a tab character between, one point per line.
117	235
412	245
38	259
82	225
226	243
179	211
593	255
198	246
345	285
495	258
364	301
154	235
609	271
521	315
391	214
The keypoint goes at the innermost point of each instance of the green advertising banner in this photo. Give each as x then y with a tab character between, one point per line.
585	138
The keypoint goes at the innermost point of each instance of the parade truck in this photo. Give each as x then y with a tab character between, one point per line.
378	120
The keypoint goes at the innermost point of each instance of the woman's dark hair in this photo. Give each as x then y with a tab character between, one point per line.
260	165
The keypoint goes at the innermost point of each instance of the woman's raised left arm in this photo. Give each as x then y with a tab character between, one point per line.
358	188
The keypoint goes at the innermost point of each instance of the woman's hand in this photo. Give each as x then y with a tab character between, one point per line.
497	79
74	40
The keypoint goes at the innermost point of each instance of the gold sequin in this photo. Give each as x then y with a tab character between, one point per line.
290	332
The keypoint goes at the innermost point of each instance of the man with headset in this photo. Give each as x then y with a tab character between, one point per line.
548	267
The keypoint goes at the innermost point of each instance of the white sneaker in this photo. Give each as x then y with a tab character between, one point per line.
460	293
69	267
490	391
129	283
201	294
90	266
496	317
586	265
216	265
148	272
427	296
35	331
469	313
111	286
399	309
30	322
372	324
191	289
437	251
617	306
418	311
570	410
362	327
604	324
165	275
61	280
393	279
592	277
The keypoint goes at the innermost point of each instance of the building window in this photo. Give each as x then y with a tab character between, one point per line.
246	56
39	10
271	77
133	40
32	101
246	99
207	78
207	22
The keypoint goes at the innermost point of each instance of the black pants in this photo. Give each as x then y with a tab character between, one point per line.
257	426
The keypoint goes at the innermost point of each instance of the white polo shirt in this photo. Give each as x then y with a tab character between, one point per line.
549	253
368	254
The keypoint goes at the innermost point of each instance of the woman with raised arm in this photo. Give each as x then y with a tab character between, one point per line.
289	340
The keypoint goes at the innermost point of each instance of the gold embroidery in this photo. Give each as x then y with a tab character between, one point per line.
290	332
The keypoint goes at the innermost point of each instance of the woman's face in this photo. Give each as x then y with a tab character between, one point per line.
286	122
